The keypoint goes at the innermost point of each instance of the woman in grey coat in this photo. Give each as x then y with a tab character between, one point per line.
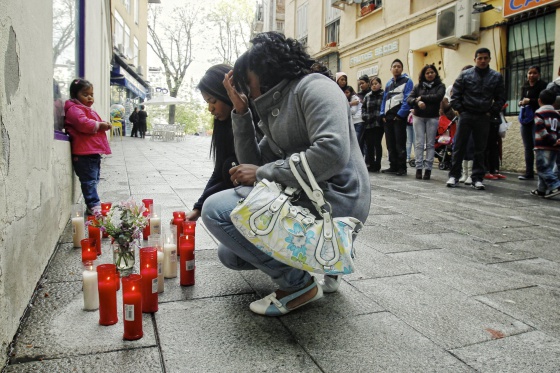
299	111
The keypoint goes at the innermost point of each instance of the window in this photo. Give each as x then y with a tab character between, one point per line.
119	30
301	25
126	4
369	6
136	11
135	52
332	23
280	26
529	43
64	61
126	45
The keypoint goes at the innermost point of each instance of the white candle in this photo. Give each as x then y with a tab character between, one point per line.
169	260
91	295
160	271
155	225
78	230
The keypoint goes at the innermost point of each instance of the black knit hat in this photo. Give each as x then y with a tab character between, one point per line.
212	83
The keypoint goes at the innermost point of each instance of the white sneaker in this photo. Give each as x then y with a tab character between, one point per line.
452	182
478	185
468	181
330	284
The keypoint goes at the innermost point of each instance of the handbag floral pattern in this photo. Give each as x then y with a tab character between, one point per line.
296	234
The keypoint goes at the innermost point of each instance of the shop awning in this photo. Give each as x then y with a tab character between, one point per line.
121	76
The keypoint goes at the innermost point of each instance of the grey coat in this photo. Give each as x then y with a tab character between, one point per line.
309	114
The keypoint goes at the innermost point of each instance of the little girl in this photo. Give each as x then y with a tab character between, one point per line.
87	139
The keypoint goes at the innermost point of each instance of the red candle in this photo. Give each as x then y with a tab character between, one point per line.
187	267
178	219
148	270
148	205
94	233
189	227
107	288
117	279
105	207
89	253
132	307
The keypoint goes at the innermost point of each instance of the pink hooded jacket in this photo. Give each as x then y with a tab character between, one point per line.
82	125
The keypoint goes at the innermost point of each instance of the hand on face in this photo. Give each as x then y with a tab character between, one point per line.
239	100
244	174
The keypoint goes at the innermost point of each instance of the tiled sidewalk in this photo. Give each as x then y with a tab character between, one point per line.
449	280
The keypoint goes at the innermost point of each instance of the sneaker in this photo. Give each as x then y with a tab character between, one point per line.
468	181
389	171
537	193
552	193
499	176
490	177
452	182
478	185
526	177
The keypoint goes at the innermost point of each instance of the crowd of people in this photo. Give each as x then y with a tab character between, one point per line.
409	114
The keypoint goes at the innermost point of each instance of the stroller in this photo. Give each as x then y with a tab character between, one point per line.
444	143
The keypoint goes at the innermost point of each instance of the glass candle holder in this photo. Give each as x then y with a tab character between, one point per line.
132	307
107	288
189	228
186	264
148	270
155	241
155	219
89	286
94	234
177	224
169	256
105	207
89	252
78	224
148	202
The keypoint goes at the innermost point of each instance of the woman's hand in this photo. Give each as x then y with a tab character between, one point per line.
239	100
421	105
525	101
192	215
244	174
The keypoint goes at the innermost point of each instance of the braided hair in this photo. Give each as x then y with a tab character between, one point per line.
273	58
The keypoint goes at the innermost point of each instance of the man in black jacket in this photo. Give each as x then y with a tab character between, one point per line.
478	95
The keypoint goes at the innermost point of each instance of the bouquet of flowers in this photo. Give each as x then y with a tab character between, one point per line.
124	223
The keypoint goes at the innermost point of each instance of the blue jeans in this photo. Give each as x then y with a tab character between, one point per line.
237	253
88	169
410	141
359	128
528	137
546	168
425	131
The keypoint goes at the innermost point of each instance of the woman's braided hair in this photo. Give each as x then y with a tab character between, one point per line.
273	58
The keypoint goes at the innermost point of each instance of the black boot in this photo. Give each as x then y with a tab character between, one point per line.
419	174
427	174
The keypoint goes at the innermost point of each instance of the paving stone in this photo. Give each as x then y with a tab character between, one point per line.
445	316
124	361
58	327
212	280
371	264
538	271
222	334
377	342
150	189
535	306
457	272
542	248
528	352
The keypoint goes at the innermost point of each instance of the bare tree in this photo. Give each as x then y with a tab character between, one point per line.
64	22
233	21
173	44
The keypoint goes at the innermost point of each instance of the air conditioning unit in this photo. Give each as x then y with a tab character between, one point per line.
120	48
456	23
339	3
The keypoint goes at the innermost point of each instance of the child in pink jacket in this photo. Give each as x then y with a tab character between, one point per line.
87	138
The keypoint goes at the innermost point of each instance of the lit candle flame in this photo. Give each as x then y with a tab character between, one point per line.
134	287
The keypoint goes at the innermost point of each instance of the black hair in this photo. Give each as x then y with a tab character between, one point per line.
422	76
536	67
547	97
212	83
397	60
351	90
142	107
77	85
273	58
376	78
482	51
364	78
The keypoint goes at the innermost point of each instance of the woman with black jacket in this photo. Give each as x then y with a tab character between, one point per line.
425	100
373	133
529	96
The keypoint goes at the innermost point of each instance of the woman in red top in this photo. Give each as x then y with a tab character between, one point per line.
87	139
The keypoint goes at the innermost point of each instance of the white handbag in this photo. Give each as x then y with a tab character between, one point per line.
293	235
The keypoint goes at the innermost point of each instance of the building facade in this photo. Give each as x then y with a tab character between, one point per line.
365	36
269	16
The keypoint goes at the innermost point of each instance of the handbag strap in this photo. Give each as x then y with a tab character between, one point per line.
315	194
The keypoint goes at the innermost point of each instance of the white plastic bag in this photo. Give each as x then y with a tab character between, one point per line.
504	126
